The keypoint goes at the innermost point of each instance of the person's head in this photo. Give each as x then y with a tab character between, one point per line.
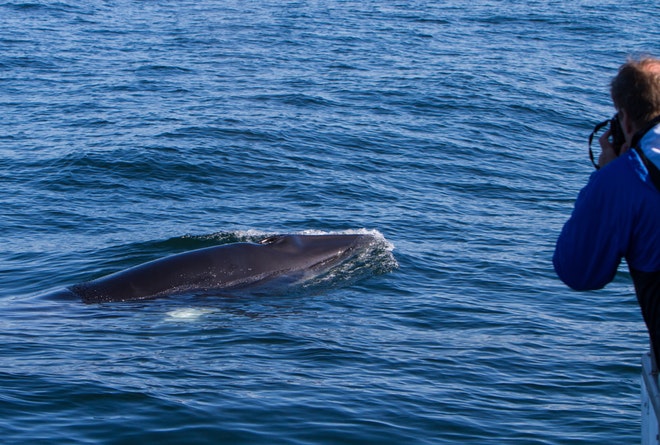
636	91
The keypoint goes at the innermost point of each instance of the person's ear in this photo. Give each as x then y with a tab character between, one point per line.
627	125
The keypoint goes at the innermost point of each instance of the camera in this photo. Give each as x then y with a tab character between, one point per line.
617	138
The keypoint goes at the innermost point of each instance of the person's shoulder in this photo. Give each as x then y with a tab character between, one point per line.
624	179
626	170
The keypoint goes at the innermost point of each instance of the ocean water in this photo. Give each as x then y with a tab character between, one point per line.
454	131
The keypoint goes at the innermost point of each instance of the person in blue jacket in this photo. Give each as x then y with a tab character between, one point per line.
617	214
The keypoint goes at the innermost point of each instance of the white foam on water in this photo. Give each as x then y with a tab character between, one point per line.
188	314
255	235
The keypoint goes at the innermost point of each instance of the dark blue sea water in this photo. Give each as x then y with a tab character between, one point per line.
456	131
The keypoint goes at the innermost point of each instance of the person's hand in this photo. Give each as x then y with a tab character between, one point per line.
607	153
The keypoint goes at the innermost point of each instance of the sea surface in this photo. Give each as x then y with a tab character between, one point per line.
453	131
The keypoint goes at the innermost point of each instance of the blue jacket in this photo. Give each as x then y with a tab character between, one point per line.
616	215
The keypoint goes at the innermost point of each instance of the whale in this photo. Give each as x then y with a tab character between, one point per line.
225	267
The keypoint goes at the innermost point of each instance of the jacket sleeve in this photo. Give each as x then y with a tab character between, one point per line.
591	244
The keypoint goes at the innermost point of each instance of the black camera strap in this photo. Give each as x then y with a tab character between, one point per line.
591	138
654	172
